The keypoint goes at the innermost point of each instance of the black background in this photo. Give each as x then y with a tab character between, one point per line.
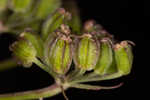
126	20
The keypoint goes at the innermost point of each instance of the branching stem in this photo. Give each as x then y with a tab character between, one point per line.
34	94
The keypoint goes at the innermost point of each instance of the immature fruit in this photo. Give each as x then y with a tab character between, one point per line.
105	58
60	55
21	5
75	22
55	21
46	7
124	57
113	67
35	41
86	52
24	52
58	50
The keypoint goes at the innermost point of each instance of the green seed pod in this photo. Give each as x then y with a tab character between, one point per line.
35	41
86	52
51	39
58	51
60	56
19	21
75	22
46	7
105	58
24	52
113	68
20	5
124	57
3	4
54	22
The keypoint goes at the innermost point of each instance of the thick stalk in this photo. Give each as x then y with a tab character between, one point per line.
35	94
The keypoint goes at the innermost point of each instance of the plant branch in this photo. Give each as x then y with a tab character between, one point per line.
63	92
44	67
87	78
94	87
34	94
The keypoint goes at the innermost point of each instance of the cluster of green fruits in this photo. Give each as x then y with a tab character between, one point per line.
94	51
71	53
15	15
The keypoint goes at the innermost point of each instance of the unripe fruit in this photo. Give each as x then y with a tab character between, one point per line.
35	41
20	5
46	7
58	51
24	52
113	67
124	57
86	52
55	21
75	22
105	58
60	56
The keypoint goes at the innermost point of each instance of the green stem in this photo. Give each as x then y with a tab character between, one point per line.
97	78
44	67
34	94
94	87
7	64
41	65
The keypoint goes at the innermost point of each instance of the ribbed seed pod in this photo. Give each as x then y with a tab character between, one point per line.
24	52
86	52
35	41
75	22
60	55
54	22
3	4
105	58
113	67
58	50
124	57
20	5
46	7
